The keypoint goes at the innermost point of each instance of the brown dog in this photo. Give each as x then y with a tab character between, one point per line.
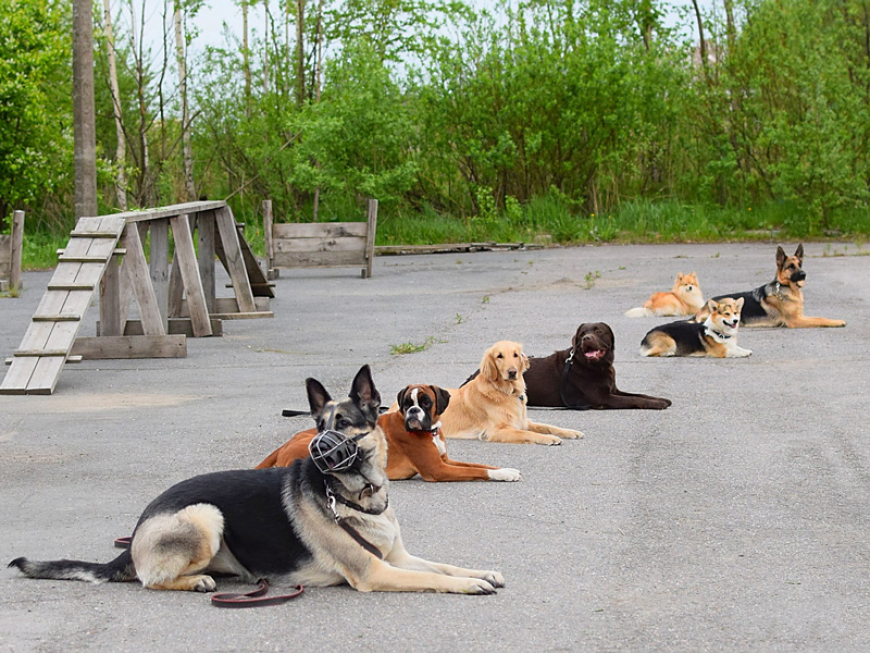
780	302
414	439
492	405
583	377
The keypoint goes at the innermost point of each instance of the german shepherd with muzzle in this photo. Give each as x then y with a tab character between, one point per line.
307	526
780	302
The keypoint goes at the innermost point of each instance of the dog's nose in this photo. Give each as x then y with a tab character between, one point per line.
512	373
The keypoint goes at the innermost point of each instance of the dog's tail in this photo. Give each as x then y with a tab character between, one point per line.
640	311
118	570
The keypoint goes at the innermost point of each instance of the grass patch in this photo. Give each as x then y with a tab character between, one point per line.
410	347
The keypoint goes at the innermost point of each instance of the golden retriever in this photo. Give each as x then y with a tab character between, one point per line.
492	405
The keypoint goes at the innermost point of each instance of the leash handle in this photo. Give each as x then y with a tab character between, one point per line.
254	598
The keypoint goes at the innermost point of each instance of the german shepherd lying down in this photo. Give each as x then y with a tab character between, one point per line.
780	302
296	522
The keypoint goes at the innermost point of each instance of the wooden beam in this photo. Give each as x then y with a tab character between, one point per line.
185	259
17	246
110	347
140	283
226	226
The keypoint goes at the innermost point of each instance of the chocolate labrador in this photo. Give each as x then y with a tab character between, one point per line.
583	377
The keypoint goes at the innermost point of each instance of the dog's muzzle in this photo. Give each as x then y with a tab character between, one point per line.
800	275
333	452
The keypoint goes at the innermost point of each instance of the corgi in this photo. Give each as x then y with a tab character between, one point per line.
685	298
716	337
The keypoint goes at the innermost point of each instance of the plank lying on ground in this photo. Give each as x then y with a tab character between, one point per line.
450	248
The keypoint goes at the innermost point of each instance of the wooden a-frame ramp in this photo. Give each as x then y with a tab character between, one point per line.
172	304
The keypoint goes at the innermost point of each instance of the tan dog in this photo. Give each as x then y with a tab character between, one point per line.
492	405
685	298
715	338
415	442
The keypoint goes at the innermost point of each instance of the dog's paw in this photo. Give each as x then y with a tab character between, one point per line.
493	578
504	474
476	586
572	435
549	440
203	584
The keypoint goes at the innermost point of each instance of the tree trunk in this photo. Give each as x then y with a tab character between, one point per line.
300	52
266	47
246	57
145	196
187	150
121	150
84	128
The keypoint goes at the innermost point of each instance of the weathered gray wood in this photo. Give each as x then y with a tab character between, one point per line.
18	377
17	245
177	326
226	226
227	308
45	375
205	232
109	347
170	211
369	253
317	259
140	283
159	265
267	233
185	259
110	299
354	245
319	230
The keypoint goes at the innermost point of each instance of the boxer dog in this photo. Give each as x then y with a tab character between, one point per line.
415	442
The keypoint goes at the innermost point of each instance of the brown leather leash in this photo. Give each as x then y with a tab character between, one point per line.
253	599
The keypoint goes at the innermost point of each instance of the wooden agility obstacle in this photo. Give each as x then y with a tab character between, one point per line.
320	244
105	255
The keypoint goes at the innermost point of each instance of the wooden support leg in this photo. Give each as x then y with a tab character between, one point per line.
226	225
185	260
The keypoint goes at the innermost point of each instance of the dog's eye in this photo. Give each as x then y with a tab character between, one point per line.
425	402
341	422
500	356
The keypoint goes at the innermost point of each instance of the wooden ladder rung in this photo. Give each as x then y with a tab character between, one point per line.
40	352
56	318
69	359
69	286
94	234
88	259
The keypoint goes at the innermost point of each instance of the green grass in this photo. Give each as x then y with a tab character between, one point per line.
552	219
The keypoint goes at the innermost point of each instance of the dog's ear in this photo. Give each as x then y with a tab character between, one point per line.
442	398
679	277
799	253
318	397
738	305
780	257
575	341
400	398
712	305
525	362
611	334
488	369
364	394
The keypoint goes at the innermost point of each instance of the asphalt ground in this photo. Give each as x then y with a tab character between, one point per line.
736	520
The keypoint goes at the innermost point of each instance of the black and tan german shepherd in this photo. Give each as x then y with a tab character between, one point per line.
780	302
298	523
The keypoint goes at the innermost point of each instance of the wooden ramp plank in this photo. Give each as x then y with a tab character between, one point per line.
58	317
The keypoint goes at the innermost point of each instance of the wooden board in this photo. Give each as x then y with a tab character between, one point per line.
109	347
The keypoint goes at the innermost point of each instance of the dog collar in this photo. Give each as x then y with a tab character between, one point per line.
331	498
717	335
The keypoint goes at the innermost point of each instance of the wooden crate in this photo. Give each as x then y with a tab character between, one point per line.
320	244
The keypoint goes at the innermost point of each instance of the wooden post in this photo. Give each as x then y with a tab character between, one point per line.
226	226
140	284
370	238
271	273
205	234
110	299
17	246
160	266
185	259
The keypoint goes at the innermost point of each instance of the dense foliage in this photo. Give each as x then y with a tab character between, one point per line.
578	118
